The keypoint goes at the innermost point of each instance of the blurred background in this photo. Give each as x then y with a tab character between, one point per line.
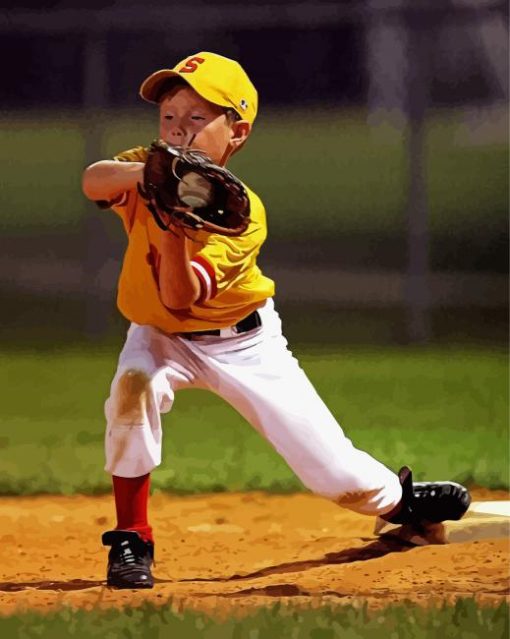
380	151
381	154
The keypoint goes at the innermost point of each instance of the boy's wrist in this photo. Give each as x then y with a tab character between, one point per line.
107	179
174	236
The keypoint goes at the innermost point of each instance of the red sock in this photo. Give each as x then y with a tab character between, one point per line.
131	501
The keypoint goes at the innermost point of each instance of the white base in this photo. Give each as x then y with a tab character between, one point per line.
483	520
490	508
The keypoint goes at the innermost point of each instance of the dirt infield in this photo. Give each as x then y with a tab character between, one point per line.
228	553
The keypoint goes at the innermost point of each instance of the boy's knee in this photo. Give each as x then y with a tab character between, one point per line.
131	396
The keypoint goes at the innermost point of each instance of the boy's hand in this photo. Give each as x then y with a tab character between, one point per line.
183	187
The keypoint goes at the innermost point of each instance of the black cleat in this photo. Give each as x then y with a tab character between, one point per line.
129	560
431	502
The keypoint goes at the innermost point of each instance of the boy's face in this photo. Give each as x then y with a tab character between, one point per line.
184	114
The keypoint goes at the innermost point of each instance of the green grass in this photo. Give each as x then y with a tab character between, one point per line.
307	166
443	411
464	620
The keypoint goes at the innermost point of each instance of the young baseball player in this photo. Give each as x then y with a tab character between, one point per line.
202	316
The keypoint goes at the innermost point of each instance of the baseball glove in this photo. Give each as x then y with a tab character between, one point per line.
184	188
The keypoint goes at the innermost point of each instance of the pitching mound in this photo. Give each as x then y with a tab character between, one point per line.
228	553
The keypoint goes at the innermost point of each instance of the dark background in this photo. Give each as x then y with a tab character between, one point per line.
401	76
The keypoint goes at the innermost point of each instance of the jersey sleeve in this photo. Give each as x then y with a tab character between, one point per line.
226	261
120	203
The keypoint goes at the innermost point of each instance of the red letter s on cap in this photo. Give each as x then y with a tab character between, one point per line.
191	65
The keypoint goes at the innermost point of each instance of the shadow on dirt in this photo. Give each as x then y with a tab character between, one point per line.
72	584
378	548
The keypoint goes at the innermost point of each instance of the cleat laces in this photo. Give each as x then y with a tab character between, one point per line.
127	557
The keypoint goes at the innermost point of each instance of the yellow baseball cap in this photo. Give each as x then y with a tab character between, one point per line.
217	79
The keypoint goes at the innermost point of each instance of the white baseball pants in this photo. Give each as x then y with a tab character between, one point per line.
260	378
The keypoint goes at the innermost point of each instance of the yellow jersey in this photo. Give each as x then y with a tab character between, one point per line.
231	284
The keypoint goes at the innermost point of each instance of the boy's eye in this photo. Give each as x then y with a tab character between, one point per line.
197	117
168	117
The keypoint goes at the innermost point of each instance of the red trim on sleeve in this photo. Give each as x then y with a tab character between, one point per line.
201	280
205	264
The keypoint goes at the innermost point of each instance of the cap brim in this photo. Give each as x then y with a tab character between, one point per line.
151	87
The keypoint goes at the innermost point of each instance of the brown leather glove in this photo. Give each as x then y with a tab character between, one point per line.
184	188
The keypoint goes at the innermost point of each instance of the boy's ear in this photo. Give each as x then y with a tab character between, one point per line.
240	131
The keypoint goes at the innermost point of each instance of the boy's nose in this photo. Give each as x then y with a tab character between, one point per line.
179	136
178	133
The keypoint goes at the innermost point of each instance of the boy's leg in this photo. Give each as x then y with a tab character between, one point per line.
151	367
131	504
263	381
132	545
293	418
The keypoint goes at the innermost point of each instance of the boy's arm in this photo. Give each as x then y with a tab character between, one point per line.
107	179
179	286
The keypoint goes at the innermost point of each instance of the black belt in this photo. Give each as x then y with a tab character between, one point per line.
247	324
